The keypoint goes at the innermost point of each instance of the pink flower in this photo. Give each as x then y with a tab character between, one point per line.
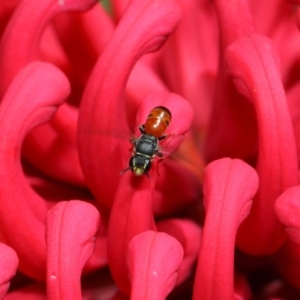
216	216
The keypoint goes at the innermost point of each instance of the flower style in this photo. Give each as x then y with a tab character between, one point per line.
212	219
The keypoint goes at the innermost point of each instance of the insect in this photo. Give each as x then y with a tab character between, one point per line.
146	147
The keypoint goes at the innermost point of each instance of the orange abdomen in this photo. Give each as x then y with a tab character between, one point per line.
158	121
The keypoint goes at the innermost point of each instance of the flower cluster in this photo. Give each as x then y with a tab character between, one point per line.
218	218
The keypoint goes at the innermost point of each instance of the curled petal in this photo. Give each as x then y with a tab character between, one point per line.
131	214
82	30
8	266
70	235
132	209
32	99
143	29
153	263
13	58
228	186
253	64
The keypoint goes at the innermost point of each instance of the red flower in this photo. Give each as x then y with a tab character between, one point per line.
76	82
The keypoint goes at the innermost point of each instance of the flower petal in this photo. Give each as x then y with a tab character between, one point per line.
253	64
131	214
132	209
228	186
32	99
153	263
70	235
143	29
13	58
